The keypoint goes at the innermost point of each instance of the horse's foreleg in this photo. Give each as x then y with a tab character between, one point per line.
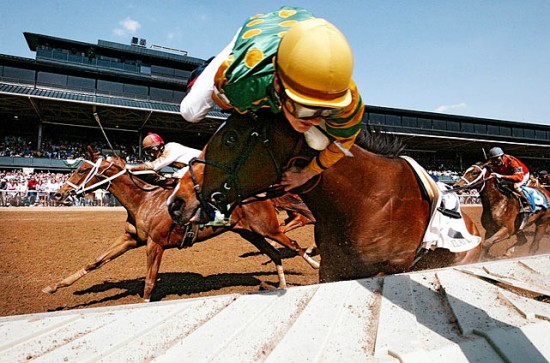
267	249
154	257
539	233
123	244
499	236
294	246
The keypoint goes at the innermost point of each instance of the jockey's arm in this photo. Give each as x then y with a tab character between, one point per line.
198	102
344	129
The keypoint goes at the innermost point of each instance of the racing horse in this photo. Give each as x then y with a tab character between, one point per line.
370	211
149	224
500	217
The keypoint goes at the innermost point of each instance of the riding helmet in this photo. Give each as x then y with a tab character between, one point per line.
495	152
152	140
315	63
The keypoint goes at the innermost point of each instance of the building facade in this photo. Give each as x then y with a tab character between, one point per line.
118	92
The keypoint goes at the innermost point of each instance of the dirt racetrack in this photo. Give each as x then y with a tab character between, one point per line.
39	246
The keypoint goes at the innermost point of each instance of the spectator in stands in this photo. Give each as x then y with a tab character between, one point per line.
31	186
543	178
3	187
511	170
163	155
305	74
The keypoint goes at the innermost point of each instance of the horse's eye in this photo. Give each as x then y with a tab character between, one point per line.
82	171
230	138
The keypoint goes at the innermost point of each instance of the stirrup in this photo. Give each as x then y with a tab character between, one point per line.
189	236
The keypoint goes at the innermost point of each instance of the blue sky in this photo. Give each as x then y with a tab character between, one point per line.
477	58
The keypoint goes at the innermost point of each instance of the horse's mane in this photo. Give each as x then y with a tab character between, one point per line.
378	142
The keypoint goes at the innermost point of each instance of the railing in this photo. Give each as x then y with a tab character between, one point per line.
32	198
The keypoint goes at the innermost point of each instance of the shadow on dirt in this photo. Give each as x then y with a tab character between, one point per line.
172	283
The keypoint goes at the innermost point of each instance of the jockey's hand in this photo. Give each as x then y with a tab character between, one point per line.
294	177
496	175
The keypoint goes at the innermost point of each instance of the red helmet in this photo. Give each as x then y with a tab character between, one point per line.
152	140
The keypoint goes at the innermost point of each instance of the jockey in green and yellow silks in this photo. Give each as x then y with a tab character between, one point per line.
290	62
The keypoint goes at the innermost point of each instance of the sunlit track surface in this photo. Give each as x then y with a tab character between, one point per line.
488	312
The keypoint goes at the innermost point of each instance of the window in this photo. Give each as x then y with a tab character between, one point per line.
51	79
481	128
110	88
178	96
453	126
164	95
393	120
162	71
517	132
409	121
18	74
377	118
467	127
505	131
81	83
440	124
424	123
180	73
493	130
530	133
540	134
135	90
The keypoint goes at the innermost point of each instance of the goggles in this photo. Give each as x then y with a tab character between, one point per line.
304	112
152	150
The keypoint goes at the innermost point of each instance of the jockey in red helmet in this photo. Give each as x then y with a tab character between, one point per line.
163	155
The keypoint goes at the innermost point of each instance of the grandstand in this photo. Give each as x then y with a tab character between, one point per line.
81	91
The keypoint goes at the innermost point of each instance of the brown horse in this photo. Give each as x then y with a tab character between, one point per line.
501	218
148	223
371	214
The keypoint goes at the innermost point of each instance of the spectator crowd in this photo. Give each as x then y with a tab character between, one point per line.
29	188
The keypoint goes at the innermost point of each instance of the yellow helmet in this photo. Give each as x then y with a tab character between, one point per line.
315	63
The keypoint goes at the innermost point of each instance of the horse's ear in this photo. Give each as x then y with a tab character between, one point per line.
90	155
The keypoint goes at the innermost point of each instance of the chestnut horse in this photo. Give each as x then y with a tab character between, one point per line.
501	218
148	223
371	213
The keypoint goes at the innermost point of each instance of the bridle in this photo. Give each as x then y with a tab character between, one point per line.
480	179
95	171
217	200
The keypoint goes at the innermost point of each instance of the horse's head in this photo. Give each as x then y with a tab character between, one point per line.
474	175
92	173
244	157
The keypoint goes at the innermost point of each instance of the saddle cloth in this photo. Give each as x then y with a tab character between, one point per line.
536	198
446	228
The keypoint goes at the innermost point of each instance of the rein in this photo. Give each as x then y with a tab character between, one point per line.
94	171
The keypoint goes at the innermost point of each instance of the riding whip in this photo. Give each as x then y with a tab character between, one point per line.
96	116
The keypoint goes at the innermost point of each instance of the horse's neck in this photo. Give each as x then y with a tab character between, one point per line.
127	192
492	193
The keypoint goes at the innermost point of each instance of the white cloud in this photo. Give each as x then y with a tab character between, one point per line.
448	108
129	27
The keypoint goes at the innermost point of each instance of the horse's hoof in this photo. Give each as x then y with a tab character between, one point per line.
49	290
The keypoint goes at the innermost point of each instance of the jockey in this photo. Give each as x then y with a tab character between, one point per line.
290	62
511	169
170	154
